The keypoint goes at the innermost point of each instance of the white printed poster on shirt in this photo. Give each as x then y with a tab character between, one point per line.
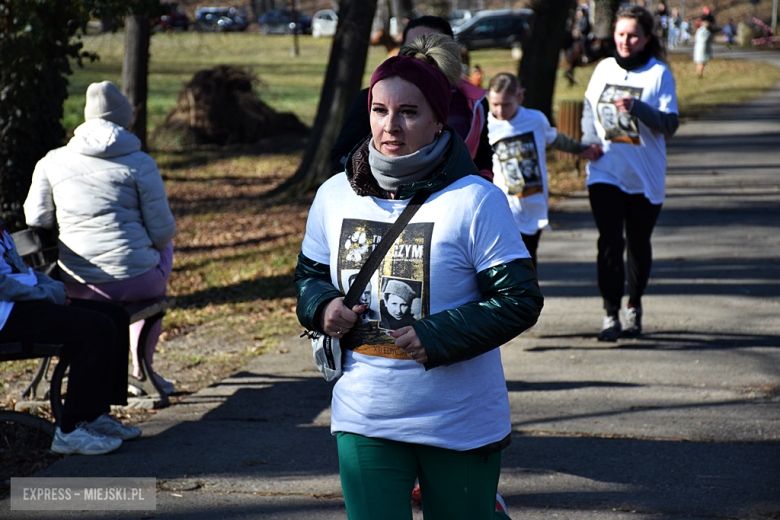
398	292
619	128
519	160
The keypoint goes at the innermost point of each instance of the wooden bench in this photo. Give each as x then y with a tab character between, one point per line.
39	249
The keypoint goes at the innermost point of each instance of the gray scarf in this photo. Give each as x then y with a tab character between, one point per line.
393	172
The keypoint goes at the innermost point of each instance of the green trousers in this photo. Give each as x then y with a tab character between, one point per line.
377	477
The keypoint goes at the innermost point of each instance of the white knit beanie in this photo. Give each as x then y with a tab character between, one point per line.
105	101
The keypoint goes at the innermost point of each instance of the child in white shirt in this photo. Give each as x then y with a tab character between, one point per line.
520	137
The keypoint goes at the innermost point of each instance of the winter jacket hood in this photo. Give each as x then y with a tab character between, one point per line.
104	139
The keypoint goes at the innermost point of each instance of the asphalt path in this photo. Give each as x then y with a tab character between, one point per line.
681	423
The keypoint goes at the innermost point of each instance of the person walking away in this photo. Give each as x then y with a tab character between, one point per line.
674	22
94	339
519	137
685	31
702	47
401	408
730	32
630	108
661	23
107	200
707	16
580	32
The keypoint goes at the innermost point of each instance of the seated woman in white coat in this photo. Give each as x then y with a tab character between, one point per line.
107	200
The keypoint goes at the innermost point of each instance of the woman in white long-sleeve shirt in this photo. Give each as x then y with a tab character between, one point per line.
107	199
630	108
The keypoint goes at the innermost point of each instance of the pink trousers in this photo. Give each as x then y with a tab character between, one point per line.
149	285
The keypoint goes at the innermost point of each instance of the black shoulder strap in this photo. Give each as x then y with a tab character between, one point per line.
376	256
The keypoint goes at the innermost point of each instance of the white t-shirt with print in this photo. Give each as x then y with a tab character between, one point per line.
634	157
460	231
520	165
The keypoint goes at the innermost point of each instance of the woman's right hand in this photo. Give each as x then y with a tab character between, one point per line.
337	320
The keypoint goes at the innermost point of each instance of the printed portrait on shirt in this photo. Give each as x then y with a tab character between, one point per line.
519	161
398	292
618	127
368	294
400	303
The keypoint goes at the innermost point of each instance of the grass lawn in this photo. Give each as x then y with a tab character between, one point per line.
235	251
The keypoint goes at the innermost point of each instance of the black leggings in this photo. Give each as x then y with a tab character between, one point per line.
96	341
532	244
612	209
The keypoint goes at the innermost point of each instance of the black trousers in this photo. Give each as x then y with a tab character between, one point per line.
613	211
532	244
96	342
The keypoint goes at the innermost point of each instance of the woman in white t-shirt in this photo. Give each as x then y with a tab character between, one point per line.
702	47
427	399
630	108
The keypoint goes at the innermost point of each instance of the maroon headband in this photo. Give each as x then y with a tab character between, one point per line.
430	80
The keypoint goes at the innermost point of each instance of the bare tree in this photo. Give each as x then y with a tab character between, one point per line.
342	83
135	71
541	51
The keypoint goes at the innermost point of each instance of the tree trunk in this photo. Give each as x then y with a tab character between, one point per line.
541	52
400	8
604	14
342	83
256	9
135	71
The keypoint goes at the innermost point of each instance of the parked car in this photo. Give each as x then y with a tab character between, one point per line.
460	17
220	19
503	29
324	23
172	16
281	22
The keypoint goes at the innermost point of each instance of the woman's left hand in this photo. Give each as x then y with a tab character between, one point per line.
624	104
406	339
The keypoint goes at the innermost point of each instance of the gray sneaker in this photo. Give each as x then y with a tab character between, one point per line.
110	427
633	326
83	441
610	329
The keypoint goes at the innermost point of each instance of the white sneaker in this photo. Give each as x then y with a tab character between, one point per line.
610	329
110	427
83	441
633	326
